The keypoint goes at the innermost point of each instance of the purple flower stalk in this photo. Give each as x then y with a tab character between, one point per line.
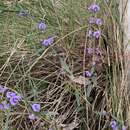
113	125
41	26
99	21
94	8
88	73
47	42
36	107
2	89
97	34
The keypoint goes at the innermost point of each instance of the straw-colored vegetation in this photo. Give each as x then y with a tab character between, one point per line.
54	76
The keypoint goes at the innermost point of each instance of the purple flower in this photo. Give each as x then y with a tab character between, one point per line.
32	117
92	20
94	8
99	21
41	26
113	125
10	94
90	50
36	107
47	42
88	73
1	106
2	89
124	127
15	100
97	34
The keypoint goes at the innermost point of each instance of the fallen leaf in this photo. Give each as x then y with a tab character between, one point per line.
81	80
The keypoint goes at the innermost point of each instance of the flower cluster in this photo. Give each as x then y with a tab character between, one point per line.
46	42
95	34
41	26
36	107
11	99
94	8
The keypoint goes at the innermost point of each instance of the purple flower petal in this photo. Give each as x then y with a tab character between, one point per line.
41	26
10	94
14	100
99	22
47	42
113	125
97	34
88	73
36	107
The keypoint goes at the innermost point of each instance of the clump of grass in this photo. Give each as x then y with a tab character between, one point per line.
75	81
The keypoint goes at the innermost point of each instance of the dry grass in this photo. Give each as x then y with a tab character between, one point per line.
53	76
